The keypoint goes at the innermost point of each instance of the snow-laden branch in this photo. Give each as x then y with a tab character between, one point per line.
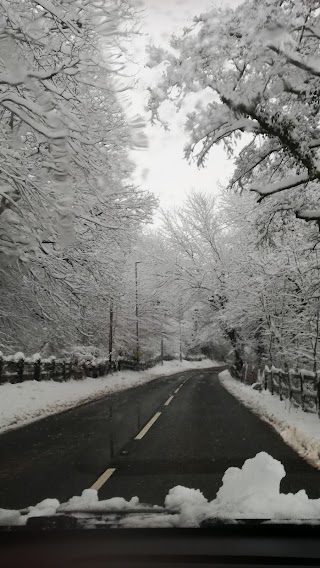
15	79
38	110
22	101
102	87
312	67
243	125
282	185
99	223
270	124
38	126
60	91
258	158
86	141
315	143
49	7
308	214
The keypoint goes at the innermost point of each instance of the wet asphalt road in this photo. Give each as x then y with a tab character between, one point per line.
198	434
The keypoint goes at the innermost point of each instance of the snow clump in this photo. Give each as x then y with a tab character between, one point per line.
250	492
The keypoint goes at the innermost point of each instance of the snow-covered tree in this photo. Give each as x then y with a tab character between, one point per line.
272	286
69	213
255	298
255	71
199	266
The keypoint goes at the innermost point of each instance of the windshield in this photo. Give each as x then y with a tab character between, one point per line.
160	215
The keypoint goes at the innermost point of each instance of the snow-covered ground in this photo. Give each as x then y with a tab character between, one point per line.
26	402
300	430
252	492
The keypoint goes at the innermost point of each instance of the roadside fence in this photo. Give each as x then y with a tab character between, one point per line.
18	368
300	387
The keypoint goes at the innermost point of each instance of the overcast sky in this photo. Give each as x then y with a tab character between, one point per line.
161	167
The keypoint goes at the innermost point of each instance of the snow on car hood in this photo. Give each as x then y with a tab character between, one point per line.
250	492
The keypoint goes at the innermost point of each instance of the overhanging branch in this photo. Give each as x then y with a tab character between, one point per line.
282	185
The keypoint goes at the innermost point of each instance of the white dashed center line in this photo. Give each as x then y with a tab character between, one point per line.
148	426
103	478
107	474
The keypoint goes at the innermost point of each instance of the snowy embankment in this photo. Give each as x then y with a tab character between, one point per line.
26	402
300	430
252	492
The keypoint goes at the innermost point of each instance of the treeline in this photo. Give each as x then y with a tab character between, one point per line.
244	298
252	75
235	278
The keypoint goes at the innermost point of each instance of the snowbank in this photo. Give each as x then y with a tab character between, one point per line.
252	492
26	402
300	430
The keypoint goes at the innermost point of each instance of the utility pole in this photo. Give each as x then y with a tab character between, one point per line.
111	332
180	316
161	342
137	313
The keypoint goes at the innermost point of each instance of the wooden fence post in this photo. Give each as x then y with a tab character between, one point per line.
53	369
285	384
301	391
290	385
245	373
111	437
20	366
318	392
37	370
271	381
280	384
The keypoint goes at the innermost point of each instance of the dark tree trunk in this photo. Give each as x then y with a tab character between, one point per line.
237	349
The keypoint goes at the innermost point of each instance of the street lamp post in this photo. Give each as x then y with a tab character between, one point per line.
137	312
110	332
161	342
162	352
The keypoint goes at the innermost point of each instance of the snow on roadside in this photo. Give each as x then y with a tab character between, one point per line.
250	492
26	402
300	430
